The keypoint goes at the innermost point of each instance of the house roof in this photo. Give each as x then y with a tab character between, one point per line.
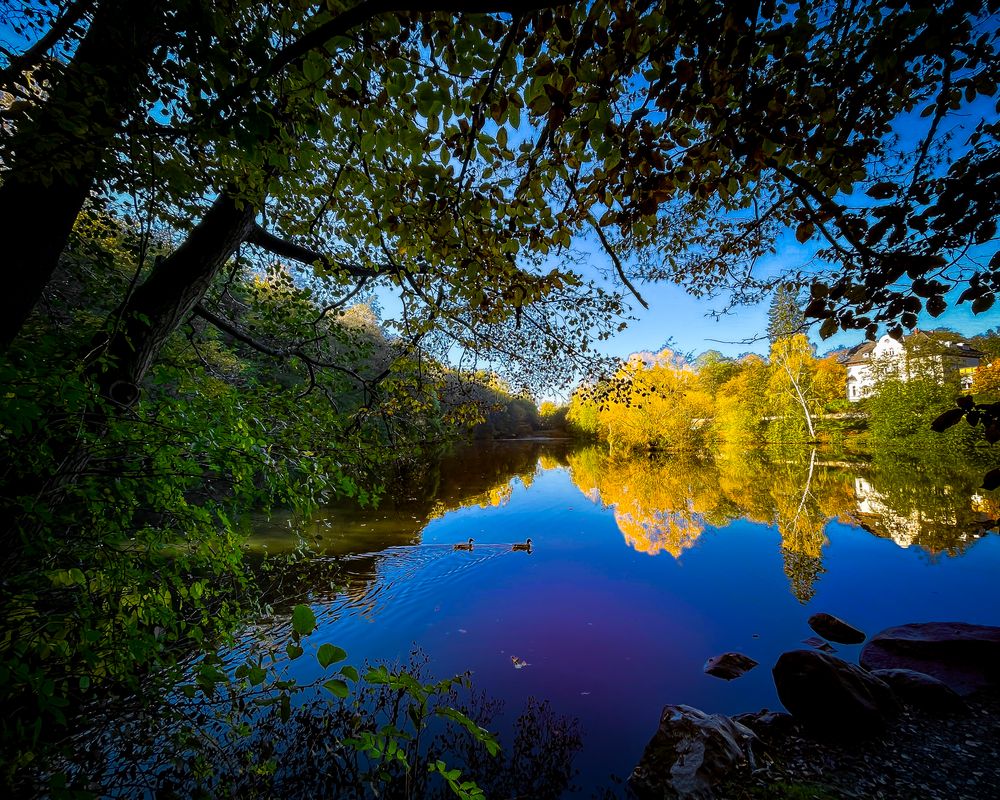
861	353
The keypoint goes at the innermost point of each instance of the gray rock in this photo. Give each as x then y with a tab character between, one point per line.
689	755
964	656
921	690
835	629
729	665
832	697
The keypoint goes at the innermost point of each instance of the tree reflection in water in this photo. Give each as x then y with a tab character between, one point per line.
664	502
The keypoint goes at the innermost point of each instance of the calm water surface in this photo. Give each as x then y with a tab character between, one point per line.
641	569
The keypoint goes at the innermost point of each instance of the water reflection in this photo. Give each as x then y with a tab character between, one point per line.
663	504
675	559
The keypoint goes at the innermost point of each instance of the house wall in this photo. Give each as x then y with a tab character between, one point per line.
890	355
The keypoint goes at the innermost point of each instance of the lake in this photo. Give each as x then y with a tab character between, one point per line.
641	568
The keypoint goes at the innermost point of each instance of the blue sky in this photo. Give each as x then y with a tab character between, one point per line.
674	314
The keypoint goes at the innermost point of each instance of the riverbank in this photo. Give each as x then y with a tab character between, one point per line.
920	756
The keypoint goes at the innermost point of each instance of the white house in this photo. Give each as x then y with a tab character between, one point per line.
919	353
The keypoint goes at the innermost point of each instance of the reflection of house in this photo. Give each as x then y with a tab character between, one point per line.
919	353
902	529
949	524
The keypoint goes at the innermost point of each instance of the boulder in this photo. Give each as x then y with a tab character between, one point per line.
729	665
832	697
835	629
964	656
689	755
921	690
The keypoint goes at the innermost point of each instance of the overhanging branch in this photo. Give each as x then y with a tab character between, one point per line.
305	255
241	335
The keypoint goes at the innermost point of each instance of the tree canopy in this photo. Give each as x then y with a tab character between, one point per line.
463	153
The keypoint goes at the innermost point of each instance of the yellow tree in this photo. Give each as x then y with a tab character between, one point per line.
830	381
986	378
741	402
793	370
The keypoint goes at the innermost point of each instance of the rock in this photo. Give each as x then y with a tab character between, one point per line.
768	724
835	629
690	754
921	690
831	696
820	644
729	665
964	656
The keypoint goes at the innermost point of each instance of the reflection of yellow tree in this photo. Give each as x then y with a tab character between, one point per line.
664	505
660	505
802	525
547	462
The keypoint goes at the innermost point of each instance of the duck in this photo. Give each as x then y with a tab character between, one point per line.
526	547
463	546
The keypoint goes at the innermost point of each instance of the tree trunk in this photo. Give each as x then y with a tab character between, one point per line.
59	153
149	316
166	298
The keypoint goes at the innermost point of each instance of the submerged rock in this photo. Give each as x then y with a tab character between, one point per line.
964	656
820	644
768	724
921	690
835	629
831	696
729	665
690	754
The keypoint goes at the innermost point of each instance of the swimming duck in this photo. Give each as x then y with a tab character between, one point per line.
463	546
526	546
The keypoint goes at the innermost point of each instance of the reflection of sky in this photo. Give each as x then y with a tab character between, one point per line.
611	634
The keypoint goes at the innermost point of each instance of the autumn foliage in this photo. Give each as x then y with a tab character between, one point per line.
665	403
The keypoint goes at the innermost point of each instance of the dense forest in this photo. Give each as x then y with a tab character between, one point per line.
207	206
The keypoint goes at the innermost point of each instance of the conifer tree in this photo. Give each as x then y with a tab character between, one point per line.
784	317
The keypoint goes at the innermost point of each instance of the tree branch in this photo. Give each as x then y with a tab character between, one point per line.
241	335
615	260
305	255
319	37
30	57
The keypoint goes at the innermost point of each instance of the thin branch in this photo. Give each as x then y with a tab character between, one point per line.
615	260
34	54
241	335
320	37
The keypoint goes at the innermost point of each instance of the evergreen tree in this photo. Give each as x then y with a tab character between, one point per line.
784	317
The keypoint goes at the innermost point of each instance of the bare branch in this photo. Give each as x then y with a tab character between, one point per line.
615	260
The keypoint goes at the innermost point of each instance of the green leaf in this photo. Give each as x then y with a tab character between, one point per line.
337	687
349	672
328	654
303	620
293	651
947	419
